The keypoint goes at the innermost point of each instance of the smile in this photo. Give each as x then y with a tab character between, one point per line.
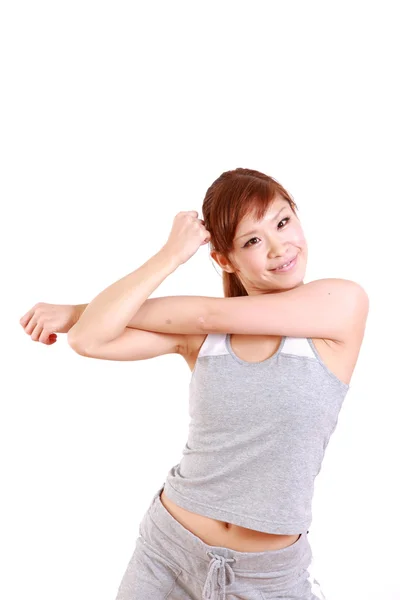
288	267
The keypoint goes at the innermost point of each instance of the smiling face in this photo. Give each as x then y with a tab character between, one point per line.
261	246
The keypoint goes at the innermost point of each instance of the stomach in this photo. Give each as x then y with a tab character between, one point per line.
224	534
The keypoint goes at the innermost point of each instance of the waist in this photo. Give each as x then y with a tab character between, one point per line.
228	535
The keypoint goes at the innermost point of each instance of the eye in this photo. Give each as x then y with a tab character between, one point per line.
247	244
285	219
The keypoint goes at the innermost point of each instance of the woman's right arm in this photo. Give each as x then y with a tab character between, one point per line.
107	315
116	309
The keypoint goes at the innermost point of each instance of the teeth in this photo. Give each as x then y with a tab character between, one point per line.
286	265
282	266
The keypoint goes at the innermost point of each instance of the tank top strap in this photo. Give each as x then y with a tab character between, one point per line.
214	345
297	347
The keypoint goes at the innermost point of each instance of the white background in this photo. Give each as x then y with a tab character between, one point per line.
114	117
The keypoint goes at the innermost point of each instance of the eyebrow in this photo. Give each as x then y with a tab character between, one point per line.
255	230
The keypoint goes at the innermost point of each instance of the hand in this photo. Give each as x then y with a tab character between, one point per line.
43	320
187	235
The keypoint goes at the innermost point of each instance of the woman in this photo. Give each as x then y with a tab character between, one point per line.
232	518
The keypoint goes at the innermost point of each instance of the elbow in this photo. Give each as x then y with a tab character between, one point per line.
207	323
78	340
76	344
202	324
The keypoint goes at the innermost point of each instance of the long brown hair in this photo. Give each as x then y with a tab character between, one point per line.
234	195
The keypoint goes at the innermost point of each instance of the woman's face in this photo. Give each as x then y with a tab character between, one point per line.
259	247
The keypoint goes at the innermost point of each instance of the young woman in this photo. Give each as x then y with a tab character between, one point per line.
231	519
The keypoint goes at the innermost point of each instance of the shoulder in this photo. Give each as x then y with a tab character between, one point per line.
354	296
360	299
348	287
344	354
357	299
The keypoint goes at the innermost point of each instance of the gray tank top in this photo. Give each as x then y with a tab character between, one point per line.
257	435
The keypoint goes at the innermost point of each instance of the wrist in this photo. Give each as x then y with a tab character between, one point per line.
77	312
171	260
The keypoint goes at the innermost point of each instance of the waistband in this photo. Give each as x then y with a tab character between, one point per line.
216	564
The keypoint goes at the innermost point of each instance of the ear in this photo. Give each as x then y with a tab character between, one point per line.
222	261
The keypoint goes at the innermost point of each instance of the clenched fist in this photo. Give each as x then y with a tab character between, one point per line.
188	233
43	320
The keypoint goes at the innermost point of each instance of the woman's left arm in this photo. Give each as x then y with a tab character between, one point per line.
325	308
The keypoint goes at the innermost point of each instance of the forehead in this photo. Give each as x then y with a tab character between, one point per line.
269	215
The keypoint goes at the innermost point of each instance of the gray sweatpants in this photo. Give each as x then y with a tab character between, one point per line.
171	562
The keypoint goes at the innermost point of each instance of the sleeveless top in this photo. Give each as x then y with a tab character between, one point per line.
257	435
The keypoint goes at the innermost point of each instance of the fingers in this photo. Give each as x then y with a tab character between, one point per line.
192	213
29	328
36	333
33	328
24	320
47	339
39	334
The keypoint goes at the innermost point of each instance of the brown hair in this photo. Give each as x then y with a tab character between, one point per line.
234	195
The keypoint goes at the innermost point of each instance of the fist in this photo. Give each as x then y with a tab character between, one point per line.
43	320
188	233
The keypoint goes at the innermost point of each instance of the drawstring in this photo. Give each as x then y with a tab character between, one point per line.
218	562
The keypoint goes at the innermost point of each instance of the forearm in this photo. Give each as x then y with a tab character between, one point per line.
107	315
78	310
174	314
167	314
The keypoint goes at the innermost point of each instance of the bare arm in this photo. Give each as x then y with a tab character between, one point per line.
105	318
155	314
325	308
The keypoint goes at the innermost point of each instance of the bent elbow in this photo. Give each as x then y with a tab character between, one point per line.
76	344
209	322
202	324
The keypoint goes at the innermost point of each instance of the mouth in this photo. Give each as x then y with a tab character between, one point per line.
288	267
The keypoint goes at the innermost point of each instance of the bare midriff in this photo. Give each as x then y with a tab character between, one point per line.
224	534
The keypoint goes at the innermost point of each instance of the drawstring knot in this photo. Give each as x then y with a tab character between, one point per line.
224	571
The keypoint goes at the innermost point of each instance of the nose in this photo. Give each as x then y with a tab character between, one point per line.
276	249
